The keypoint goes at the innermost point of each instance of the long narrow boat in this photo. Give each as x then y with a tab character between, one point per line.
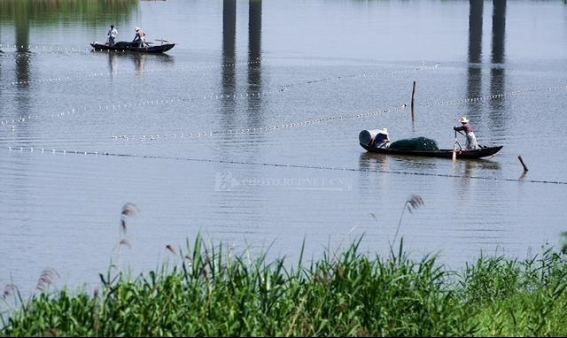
483	151
124	46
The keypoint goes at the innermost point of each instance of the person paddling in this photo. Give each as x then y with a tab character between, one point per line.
139	38
471	137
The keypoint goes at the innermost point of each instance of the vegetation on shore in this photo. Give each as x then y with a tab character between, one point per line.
212	292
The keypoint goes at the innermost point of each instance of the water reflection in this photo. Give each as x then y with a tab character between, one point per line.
373	162
112	66
138	59
474	79
228	58
470	170
228	47
497	75
464	169
254	87
23	99
76	10
139	62
376	181
472	167
24	14
45	181
254	63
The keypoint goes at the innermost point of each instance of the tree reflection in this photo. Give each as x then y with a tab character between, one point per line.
53	11
24	14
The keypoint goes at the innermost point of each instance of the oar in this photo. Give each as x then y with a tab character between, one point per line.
455	147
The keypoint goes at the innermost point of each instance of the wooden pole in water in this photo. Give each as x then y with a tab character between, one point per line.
522	162
413	98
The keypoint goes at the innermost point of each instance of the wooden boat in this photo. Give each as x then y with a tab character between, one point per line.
124	46
483	151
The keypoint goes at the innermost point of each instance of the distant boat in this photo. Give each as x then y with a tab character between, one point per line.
124	46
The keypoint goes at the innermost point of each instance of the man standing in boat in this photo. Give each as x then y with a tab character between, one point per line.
467	128
140	37
112	34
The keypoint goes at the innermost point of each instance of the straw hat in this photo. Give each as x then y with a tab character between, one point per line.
464	120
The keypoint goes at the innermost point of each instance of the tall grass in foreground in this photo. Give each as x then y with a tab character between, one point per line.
213	293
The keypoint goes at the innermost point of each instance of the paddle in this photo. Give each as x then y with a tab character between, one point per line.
455	147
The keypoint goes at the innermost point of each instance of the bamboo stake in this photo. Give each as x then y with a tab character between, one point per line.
413	98
522	162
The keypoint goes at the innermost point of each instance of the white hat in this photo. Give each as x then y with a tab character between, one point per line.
383	131
137	29
464	120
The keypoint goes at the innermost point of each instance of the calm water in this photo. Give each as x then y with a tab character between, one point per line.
247	131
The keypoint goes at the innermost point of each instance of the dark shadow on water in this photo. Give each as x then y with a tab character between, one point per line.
380	162
472	165
255	88
497	71
474	78
497	60
116	60
228	75
373	162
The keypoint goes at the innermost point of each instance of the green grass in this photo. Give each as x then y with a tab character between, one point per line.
214	293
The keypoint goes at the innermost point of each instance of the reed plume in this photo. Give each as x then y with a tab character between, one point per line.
46	278
128	210
414	202
9	290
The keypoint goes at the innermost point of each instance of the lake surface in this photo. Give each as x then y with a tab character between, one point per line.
247	131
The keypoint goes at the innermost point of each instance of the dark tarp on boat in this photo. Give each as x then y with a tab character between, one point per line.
417	143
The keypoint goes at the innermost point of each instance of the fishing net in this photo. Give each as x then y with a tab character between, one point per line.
123	44
417	143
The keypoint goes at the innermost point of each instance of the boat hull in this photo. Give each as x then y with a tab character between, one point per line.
442	153
130	47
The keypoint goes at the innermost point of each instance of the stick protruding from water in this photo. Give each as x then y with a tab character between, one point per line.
522	162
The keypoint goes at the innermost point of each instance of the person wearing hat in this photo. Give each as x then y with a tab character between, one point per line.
140	37
381	140
467	128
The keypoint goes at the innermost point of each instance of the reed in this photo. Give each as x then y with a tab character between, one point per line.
211	291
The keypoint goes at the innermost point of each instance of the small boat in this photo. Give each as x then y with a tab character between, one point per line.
124	46
483	151
422	146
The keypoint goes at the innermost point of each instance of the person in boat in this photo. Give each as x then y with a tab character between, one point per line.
381	140
467	128
139	38
112	34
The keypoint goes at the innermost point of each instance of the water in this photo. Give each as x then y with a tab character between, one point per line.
249	136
